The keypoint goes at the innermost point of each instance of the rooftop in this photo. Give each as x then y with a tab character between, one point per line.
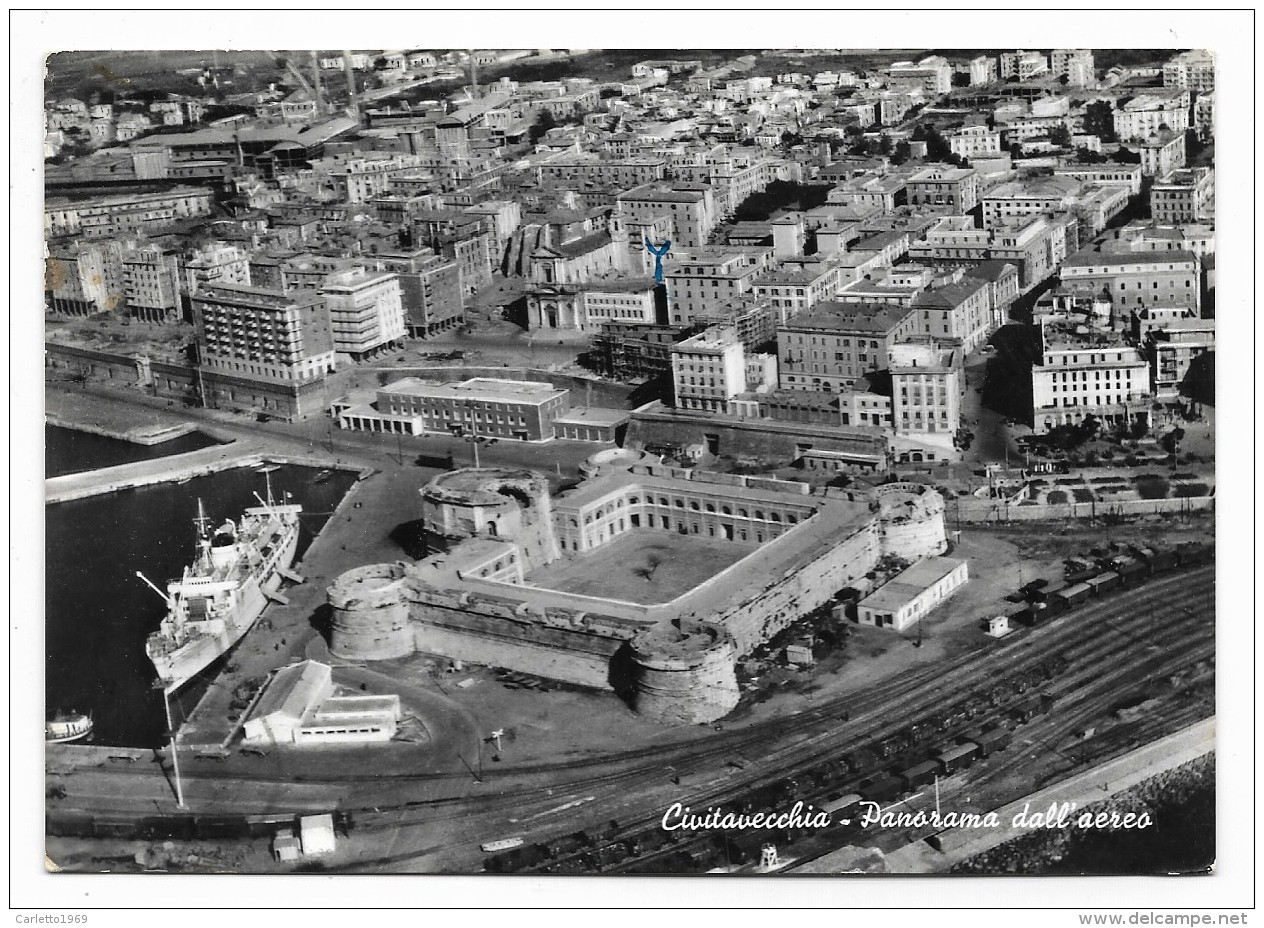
878	318
477	388
906	586
1096	258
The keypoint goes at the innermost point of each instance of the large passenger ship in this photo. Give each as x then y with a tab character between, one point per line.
238	568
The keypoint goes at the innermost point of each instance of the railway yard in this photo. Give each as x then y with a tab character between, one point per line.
1087	678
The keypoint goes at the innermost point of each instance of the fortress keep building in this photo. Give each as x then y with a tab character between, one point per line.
498	595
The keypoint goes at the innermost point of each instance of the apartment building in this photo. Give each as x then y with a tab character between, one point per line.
1161	154
972	142
830	348
1080	376
925	396
691	207
255	333
151	284
113	215
1193	70
366	311
1134	280
797	285
701	282
430	289
957	308
1023	65
708	369
1149	114
1184	196
956	188
1173	348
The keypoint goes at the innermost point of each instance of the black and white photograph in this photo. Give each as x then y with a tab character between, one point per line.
521	463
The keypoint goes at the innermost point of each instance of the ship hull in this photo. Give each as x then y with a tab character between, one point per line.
178	667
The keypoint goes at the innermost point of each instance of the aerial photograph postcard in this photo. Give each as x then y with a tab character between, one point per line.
576	461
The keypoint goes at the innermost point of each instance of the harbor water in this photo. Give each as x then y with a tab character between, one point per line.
69	451
98	613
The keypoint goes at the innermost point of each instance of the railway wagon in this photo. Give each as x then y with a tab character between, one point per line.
569	844
1132	571
841	808
996	739
918	774
1072	595
511	861
882	788
957	758
1104	582
1194	553
1029	708
1158	560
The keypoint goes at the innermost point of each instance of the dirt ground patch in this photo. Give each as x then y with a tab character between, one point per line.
642	567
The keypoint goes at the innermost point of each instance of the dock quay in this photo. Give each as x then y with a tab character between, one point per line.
151	434
146	473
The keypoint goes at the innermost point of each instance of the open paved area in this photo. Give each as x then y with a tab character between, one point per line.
644	567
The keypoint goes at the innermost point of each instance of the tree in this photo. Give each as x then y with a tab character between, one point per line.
1099	120
903	151
543	123
1060	136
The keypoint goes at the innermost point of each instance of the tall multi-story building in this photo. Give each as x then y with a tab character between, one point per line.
925	395
955	308
1172	350
1136	279
85	278
151	284
708	370
430	289
830	348
255	333
1023	65
1192	70
217	262
691	207
956	188
1093	375
982	70
701	282
1161	154
366	311
1075	64
797	285
933	74
1205	116
1184	196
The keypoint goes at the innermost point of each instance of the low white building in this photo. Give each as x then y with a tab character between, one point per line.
912	593
298	706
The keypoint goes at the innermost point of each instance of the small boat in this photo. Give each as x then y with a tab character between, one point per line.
268	468
67	726
183	480
322	476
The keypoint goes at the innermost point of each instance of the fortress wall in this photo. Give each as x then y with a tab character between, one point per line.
581	657
814	583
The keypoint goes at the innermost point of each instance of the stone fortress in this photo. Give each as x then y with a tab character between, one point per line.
486	599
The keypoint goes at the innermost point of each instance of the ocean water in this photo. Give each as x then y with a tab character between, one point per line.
98	613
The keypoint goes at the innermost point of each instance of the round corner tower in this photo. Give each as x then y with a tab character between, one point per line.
684	672
370	614
910	520
494	502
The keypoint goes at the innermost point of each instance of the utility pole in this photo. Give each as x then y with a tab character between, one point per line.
175	748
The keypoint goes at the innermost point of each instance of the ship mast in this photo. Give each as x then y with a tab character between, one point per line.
203	524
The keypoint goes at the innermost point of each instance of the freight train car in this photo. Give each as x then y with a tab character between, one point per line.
1104	582
1073	595
919	774
1132	571
957	758
882	788
993	740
